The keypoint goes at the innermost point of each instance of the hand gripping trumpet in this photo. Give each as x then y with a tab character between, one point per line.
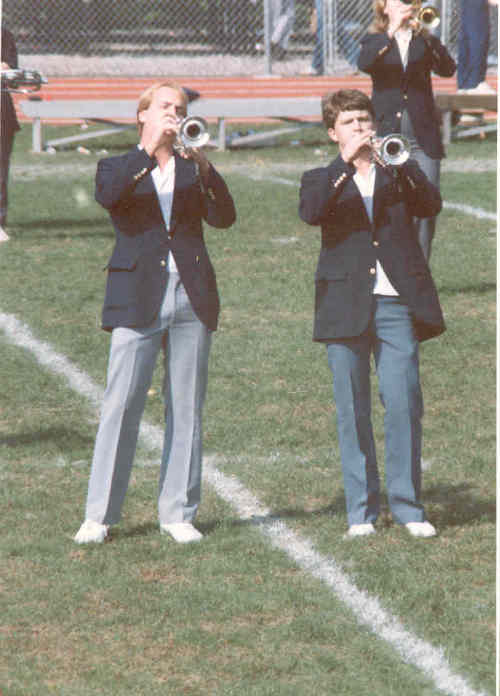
393	150
14	78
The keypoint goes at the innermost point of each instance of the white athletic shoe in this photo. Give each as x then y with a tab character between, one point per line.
482	88
421	529
182	532
91	531
4	237
356	530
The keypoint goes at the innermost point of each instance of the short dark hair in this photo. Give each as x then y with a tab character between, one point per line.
344	100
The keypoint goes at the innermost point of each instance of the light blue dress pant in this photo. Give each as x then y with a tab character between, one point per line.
186	344
391	339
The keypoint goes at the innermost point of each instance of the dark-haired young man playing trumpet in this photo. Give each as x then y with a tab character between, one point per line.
374	294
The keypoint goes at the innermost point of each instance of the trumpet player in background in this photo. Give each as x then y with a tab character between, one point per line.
9	127
374	294
400	53
161	294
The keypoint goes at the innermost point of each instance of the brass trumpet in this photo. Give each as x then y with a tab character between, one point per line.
393	150
428	16
193	132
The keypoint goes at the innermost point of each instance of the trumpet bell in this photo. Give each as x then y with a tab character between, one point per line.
428	16
394	150
193	132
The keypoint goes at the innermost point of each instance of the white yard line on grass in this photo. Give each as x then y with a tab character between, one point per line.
422	655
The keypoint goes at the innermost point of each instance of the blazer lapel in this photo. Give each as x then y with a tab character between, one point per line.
380	183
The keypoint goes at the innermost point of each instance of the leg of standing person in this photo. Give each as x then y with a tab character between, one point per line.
426	227
318	55
7	141
473	43
187	348
133	354
283	18
397	360
349	361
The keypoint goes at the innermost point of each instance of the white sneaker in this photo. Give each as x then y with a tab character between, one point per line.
360	530
4	237
91	531
467	119
182	532
421	529
310	71
482	88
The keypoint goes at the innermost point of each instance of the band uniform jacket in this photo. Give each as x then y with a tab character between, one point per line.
137	268
396	88
351	244
9	122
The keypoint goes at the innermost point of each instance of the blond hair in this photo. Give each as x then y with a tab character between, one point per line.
381	19
147	97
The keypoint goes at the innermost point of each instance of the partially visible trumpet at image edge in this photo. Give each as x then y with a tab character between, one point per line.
22	81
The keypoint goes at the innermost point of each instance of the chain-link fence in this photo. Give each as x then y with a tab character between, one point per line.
204	37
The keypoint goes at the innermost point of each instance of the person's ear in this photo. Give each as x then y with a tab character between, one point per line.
332	135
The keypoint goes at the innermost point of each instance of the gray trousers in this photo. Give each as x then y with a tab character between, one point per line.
133	354
426	227
391	338
283	18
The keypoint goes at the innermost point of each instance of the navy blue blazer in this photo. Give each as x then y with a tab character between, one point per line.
396	89
137	269
351	245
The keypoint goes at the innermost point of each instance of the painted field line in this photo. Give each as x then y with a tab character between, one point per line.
467	209
414	651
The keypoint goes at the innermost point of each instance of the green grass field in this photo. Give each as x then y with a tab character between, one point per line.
233	615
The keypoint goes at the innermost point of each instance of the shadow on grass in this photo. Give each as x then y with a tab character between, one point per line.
475	289
69	439
457	506
35	228
452	506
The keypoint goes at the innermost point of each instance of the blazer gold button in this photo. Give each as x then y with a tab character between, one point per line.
163	262
375	243
405	97
372	271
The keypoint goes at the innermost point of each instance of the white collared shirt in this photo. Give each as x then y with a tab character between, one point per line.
164	182
403	37
366	186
